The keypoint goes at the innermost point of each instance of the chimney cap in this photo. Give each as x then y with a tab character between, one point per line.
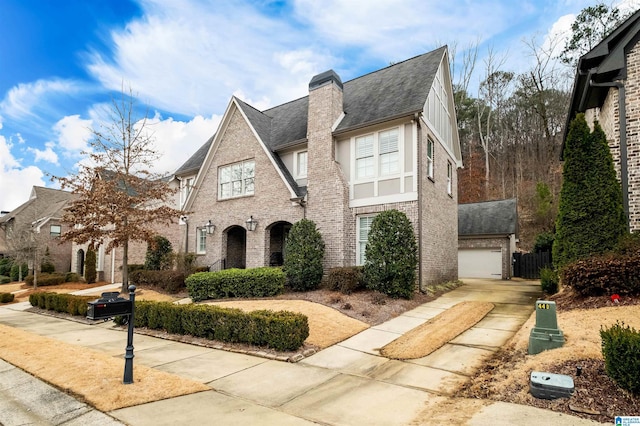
324	78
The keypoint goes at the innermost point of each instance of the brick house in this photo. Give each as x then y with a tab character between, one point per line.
607	88
342	154
36	224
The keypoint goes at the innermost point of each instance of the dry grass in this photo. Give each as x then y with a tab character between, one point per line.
327	326
73	369
436	332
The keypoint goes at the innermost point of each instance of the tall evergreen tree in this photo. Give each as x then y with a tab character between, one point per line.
591	217
303	254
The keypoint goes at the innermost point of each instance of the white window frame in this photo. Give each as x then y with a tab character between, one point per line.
367	158
389	157
449	178
186	185
430	147
361	243
301	173
201	240
55	234
374	160
245	188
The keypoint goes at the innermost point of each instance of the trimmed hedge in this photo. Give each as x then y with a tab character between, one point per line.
46	279
6	297
256	282
61	302
283	330
345	279
169	281
4	279
604	274
620	348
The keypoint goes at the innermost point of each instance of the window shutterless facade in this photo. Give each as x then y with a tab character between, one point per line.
55	230
429	158
449	178
362	236
236	180
301	164
201	244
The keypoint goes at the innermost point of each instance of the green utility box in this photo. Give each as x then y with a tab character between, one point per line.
546	334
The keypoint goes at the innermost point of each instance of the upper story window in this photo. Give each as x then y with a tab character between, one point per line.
301	164
388	149
378	154
364	157
237	180
429	158
55	230
449	178
186	185
201	244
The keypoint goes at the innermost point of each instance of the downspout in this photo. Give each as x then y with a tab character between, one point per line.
420	236
622	113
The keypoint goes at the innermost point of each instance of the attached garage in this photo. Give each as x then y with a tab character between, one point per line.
486	238
480	263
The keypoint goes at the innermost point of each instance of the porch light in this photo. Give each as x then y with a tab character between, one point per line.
251	224
210	227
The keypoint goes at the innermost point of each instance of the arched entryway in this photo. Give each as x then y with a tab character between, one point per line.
236	247
277	233
80	262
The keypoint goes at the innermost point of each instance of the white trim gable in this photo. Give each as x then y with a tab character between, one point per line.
206	164
434	108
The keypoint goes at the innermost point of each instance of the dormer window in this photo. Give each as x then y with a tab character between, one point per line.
301	164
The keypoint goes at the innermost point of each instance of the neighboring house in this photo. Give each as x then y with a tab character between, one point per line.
487	238
339	156
109	264
607	89
36	225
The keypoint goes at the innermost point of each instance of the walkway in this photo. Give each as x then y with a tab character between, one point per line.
346	384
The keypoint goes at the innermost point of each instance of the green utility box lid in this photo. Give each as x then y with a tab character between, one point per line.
546	334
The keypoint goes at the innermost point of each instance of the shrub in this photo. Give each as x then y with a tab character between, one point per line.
303	254
391	255
19	271
159	254
132	267
5	266
200	269
549	280
4	279
620	348
346	279
69	303
46	279
604	274
90	273
185	262
284	331
6	297
256	282
72	277
544	242
169	281
46	266
629	243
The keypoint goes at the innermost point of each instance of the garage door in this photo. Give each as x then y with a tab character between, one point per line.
480	263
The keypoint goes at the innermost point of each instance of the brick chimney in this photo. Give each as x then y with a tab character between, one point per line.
327	192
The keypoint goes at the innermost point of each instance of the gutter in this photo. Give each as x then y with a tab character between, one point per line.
624	167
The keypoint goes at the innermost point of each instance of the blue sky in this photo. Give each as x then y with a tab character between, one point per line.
61	62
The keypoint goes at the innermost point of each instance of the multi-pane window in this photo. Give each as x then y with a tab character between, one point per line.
364	226
388	150
302	164
449	178
186	185
430	158
55	230
201	234
364	157
237	179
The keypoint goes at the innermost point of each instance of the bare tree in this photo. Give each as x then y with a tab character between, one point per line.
119	198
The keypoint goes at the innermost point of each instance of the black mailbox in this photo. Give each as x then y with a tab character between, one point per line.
107	306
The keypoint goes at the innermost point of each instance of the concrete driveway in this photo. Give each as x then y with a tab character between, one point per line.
346	384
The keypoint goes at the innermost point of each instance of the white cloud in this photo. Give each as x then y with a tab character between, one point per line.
15	181
46	154
22	99
73	133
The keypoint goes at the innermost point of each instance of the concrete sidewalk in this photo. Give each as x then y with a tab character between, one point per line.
346	384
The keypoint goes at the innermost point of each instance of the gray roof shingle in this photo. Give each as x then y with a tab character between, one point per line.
488	218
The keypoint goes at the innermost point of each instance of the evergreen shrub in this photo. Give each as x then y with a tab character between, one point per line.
549	280
4	279
303	254
61	302
345	279
159	255
46	279
604	275
6	297
391	255
90	272
169	281
255	282
620	348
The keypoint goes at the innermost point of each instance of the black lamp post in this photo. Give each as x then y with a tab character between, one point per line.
128	357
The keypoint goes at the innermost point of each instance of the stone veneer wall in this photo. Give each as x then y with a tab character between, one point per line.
327	197
502	243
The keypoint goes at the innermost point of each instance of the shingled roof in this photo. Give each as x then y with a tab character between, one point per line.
488	218
398	90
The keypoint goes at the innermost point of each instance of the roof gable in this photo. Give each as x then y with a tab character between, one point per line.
488	218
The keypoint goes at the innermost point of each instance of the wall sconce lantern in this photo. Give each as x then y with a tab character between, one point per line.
251	224
210	227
